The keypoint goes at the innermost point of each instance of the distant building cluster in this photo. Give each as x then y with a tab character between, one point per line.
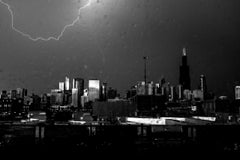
75	95
72	97
164	99
145	99
14	104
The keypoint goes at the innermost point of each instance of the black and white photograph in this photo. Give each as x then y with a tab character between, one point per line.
140	77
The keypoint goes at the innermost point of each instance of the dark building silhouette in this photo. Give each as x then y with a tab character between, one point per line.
103	92
203	86
114	108
132	92
111	93
162	81
13	94
45	101
67	97
4	94
184	78
36	103
149	105
236	106
12	109
145	73
223	105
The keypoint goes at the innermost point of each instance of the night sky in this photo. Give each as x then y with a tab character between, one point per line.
111	38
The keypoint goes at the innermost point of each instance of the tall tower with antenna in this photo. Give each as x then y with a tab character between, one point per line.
184	78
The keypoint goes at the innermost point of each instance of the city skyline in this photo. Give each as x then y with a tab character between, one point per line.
111	38
184	81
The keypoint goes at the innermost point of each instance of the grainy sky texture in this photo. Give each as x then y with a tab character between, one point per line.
111	37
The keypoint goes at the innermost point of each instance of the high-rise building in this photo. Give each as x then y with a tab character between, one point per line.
237	92
78	83
187	94
168	90
198	94
45	101
179	92
4	94
184	78
21	92
84	100
132	92
172	94
77	91
157	89
57	97
165	90
75	97
103	95
61	86
93	90
111	93
203	85
67	83
150	88
141	89
13	94
162	81
67	97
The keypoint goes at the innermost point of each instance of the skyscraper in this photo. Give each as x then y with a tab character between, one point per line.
145	74
67	84
77	91
162	81
21	92
184	78
141	89
179	92
78	83
103	94
13	94
4	94
203	85
172	94
157	89
94	90
150	88
75	98
61	86
111	93
57	97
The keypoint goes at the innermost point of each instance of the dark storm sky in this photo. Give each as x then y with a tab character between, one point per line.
112	36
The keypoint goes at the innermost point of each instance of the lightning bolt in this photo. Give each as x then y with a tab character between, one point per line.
41	38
